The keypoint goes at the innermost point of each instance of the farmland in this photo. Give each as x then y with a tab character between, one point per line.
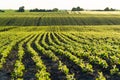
59	18
60	46
60	52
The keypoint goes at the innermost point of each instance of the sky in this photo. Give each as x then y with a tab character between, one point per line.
60	4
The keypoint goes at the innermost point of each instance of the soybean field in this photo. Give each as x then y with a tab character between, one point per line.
69	45
60	52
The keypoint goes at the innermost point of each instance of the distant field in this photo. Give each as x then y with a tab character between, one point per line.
95	12
60	52
59	18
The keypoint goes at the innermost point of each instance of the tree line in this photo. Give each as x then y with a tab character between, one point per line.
22	9
81	9
43	10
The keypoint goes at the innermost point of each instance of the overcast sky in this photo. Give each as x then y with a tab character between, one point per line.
61	4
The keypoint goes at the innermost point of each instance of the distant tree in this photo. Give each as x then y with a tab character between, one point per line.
36	9
77	9
107	9
81	9
2	11
112	9
21	9
55	9
74	9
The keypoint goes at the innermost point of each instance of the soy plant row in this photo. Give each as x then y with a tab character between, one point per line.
7	47
6	53
100	64
63	68
60	55
100	51
19	68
